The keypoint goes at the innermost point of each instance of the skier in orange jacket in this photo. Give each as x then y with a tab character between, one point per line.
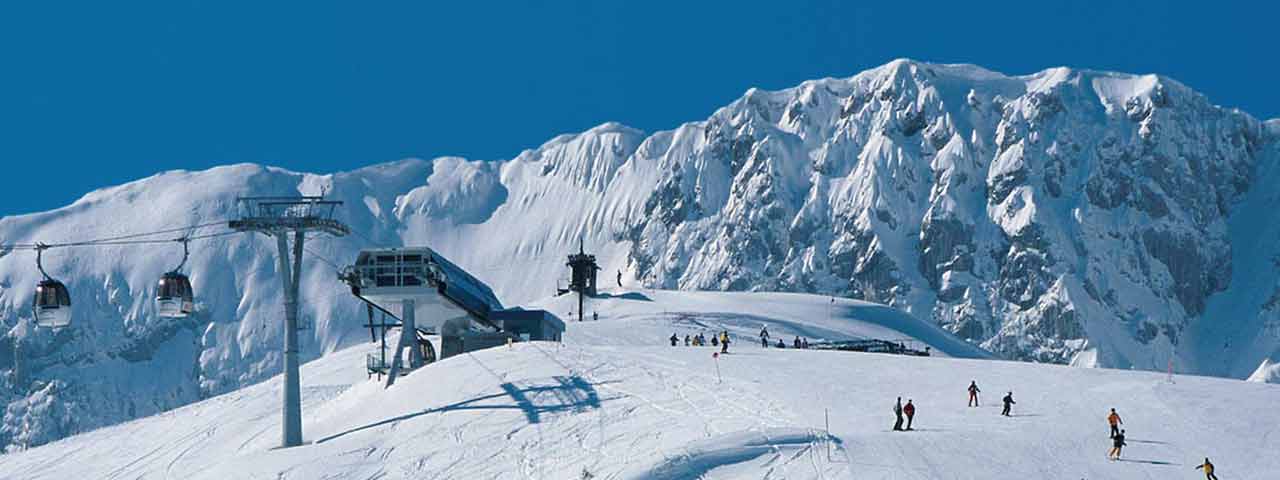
1208	469
1115	422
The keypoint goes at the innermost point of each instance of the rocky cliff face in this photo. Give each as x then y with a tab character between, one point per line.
1094	218
1063	216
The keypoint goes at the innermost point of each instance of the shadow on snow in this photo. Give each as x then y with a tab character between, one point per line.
534	398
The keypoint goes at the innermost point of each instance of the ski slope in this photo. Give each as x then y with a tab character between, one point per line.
614	401
651	316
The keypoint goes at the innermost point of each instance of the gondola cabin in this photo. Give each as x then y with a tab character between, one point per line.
52	304
173	296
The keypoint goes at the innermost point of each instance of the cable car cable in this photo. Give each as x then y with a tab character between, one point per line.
148	234
117	240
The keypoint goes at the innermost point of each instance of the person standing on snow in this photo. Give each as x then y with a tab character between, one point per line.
764	336
1208	469
973	393
619	278
674	339
687	340
1008	403
715	340
1117	443
804	343
1115	422
796	343
724	342
910	411
897	412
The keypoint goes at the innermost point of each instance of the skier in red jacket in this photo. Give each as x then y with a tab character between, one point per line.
973	393
910	410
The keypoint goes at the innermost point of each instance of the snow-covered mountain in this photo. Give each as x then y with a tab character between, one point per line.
1068	216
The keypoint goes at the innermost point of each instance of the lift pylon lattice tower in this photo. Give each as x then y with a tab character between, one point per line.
277	217
583	279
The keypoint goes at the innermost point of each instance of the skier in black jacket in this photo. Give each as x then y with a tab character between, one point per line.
897	412
1117	443
1008	403
674	339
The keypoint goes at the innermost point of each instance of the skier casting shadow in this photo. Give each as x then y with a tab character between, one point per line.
1117	443
1008	403
897	412
1208	469
1114	420
910	410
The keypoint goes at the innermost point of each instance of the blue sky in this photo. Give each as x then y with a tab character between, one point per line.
101	93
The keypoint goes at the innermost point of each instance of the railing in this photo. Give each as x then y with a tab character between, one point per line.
287	207
375	364
279	214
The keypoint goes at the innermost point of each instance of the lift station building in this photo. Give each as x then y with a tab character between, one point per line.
432	296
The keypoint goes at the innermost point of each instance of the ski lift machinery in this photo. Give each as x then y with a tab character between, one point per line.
52	302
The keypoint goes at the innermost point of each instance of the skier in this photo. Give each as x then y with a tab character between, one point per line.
804	343
1208	469
595	316
973	393
764	336
897	412
674	339
910	410
687	340
724	342
796	342
1114	420
619	278
1008	403
1117	443
715	340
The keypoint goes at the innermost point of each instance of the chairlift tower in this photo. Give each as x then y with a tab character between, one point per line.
278	217
583	279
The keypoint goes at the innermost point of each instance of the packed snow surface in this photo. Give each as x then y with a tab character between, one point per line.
614	401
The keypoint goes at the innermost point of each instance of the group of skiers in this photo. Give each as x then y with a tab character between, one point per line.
717	340
1007	400
1117	435
899	410
722	340
907	412
797	343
